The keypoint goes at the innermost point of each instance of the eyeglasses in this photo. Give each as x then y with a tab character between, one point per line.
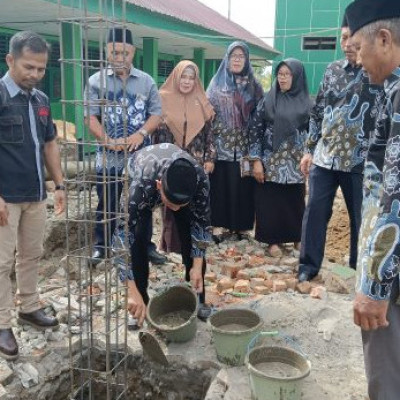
287	75
237	57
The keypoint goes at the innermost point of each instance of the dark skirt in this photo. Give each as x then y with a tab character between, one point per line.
169	242
279	212
231	197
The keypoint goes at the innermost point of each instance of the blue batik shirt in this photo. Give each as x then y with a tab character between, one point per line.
125	107
379	240
342	119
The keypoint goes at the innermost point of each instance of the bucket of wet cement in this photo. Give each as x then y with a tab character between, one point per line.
276	373
232	330
173	313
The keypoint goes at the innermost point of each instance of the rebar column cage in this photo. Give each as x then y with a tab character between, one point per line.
96	298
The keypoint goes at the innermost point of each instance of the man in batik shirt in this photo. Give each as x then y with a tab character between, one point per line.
128	101
340	126
165	174
375	26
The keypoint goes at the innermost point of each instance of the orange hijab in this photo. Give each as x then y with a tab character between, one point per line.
178	108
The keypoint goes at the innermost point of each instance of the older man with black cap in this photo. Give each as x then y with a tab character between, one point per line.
123	108
165	174
375	26
340	125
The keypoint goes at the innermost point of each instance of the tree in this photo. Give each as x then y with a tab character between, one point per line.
264	76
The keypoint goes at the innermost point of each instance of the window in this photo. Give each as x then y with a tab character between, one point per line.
165	67
319	42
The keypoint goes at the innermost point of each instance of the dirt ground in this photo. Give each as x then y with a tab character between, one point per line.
338	237
323	328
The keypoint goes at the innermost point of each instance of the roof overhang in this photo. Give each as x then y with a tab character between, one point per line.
175	37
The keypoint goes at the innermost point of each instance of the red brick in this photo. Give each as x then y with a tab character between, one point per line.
270	261
152	276
279	286
255	261
304	287
256	282
268	283
291	283
261	290
230	269
243	275
242	286
259	253
318	292
291	262
224	284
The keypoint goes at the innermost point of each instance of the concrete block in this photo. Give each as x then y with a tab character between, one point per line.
6	374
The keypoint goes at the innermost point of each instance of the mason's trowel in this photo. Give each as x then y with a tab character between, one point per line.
151	347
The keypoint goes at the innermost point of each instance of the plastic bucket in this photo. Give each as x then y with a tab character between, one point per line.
232	330
276	373
174	313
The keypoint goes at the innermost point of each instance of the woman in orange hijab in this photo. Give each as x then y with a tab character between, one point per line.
186	122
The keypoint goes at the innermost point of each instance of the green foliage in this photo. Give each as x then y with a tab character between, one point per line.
263	75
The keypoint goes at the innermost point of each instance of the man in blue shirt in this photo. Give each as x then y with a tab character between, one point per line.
27	144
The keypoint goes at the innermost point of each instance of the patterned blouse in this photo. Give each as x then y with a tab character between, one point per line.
231	143
342	118
147	166
201	148
283	165
379	243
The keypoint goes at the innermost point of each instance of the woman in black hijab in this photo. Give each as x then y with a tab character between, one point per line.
278	133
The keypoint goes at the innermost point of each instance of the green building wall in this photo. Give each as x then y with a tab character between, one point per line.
297	18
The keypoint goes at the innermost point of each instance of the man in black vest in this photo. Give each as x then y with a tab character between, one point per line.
27	143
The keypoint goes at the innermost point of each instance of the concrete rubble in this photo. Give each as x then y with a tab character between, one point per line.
240	274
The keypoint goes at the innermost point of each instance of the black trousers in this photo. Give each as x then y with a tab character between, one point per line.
139	255
109	195
323	184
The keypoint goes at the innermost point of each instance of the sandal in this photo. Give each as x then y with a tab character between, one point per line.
275	251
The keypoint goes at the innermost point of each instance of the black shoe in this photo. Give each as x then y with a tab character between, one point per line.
38	319
97	256
8	344
156	258
303	277
217	238
204	312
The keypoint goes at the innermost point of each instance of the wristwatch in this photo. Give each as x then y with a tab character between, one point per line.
143	132
59	187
